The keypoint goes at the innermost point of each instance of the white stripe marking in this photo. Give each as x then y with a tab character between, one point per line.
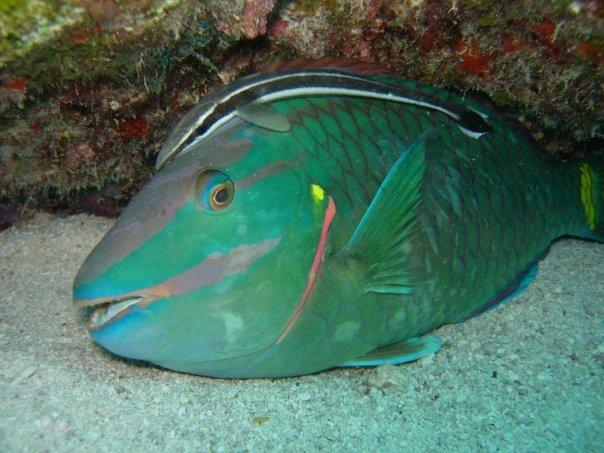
318	90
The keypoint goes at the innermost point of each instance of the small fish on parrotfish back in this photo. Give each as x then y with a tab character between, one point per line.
324	215
247	97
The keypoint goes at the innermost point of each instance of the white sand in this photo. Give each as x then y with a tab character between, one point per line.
524	377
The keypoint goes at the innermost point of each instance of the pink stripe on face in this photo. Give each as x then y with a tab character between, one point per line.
213	269
330	213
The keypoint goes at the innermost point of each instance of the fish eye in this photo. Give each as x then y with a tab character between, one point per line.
214	190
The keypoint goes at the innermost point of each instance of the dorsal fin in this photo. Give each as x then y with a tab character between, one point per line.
328	62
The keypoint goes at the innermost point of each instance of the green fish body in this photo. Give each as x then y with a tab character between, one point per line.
337	240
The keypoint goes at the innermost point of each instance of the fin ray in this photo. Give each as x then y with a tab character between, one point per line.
382	239
397	353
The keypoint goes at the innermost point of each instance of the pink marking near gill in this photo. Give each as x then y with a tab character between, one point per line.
330	213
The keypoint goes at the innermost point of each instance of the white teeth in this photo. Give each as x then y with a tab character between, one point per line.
108	311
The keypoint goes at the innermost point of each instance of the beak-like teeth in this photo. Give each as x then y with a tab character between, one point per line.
109	311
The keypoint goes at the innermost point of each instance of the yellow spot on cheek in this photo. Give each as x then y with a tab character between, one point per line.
317	192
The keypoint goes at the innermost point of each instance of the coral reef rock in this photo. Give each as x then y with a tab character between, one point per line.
90	89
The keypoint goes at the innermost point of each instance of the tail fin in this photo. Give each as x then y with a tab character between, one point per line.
592	196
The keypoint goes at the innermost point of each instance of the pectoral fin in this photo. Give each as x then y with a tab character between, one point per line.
394	354
381	243
263	117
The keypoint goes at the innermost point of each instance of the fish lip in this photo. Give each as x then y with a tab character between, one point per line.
105	300
108	309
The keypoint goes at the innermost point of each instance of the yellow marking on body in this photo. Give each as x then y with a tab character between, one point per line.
317	192
588	195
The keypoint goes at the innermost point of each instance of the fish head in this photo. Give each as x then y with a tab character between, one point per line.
210	259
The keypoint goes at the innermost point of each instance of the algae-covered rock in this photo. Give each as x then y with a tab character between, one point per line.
90	89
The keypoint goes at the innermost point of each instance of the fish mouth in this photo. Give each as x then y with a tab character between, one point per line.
107	310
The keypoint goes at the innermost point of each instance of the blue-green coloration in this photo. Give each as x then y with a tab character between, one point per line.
340	242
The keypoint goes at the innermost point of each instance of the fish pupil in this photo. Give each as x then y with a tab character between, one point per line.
221	196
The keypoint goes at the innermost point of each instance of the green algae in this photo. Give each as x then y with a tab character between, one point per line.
140	53
25	24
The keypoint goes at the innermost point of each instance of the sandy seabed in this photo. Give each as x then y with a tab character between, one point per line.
527	376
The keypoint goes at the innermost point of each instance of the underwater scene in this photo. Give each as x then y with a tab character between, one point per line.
263	225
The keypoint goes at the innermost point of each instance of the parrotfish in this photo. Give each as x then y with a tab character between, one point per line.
328	216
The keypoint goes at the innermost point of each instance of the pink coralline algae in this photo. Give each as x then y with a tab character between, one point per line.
253	21
277	28
79	154
135	128
473	61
